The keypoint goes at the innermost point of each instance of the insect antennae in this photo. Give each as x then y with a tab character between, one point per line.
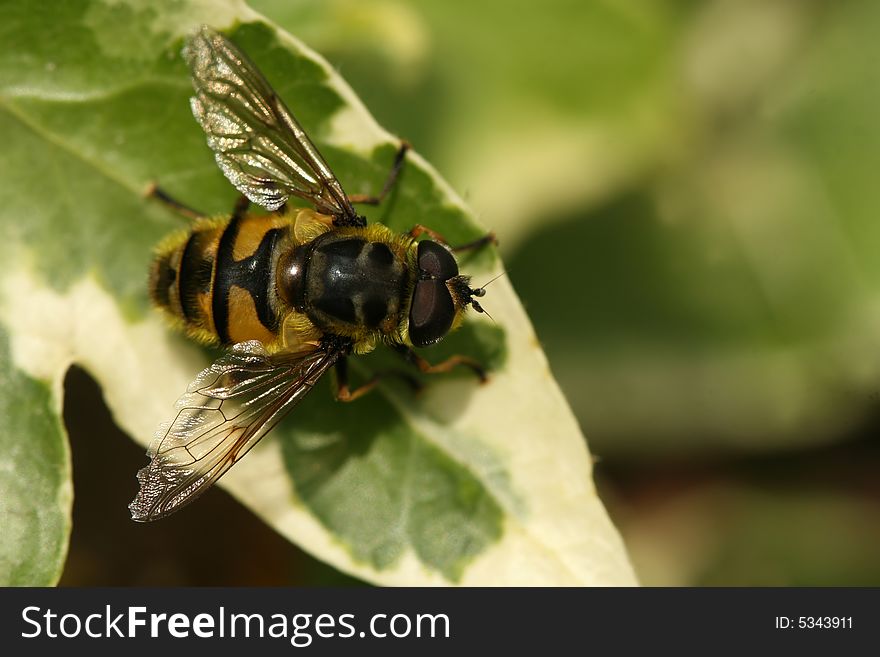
480	292
476	304
482	289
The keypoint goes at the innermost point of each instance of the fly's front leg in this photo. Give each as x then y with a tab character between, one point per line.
390	181
345	394
479	243
444	366
489	238
156	192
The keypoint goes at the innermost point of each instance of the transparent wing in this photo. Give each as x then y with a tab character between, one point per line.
257	142
225	411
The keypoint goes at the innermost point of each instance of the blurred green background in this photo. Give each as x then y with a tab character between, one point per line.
685	196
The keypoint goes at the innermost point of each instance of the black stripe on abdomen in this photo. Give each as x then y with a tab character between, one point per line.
196	269
162	278
252	274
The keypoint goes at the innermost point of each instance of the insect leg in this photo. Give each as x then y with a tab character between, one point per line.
479	243
389	181
346	394
418	230
241	206
156	192
444	366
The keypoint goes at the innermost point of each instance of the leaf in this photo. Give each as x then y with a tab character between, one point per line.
35	487
469	484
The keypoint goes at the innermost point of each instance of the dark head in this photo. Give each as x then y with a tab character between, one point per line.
440	296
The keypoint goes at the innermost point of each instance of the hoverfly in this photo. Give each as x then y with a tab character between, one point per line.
292	293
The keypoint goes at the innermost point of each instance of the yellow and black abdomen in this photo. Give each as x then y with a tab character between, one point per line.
217	280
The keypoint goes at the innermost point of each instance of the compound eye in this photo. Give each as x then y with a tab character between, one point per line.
431	313
436	261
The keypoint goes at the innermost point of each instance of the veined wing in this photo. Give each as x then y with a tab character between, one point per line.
259	145
225	411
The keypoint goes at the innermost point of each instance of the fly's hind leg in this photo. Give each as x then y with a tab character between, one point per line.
443	366
156	192
393	174
345	394
240	208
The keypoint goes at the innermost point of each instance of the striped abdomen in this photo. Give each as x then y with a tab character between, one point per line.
219	279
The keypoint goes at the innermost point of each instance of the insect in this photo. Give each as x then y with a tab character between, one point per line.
293	293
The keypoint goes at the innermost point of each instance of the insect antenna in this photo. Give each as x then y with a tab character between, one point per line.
481	291
482	288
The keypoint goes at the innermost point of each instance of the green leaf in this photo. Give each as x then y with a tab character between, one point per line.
467	484
35	487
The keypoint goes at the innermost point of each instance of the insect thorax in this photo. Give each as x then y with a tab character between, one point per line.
350	283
